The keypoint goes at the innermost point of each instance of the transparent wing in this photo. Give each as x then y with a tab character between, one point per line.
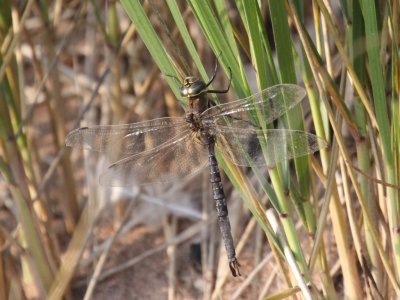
247	146
183	156
271	103
119	141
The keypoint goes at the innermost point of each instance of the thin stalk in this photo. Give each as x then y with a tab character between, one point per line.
355	32
113	35
343	55
35	267
295	121
342	239
29	235
368	9
320	121
72	255
356	52
55	104
352	176
4	287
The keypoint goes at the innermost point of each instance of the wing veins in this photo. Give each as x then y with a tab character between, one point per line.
273	102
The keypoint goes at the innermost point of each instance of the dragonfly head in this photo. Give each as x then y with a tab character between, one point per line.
192	87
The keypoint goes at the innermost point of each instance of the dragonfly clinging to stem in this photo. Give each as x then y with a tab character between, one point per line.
166	149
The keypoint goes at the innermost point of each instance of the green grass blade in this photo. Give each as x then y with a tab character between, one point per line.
252	14
136	13
180	23
219	43
372	28
376	74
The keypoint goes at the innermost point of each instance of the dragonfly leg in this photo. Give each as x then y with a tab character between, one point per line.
214	74
222	211
213	77
221	91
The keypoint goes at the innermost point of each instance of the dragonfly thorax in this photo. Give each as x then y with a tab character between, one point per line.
192	87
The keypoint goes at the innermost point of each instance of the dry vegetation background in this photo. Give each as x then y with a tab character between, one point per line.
79	63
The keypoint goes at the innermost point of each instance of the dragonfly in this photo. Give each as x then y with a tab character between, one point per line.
167	149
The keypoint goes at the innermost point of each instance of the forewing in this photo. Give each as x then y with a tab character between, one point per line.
248	146
119	141
271	103
174	160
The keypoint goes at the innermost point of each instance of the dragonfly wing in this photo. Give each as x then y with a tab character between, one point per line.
119	141
180	157
272	103
249	146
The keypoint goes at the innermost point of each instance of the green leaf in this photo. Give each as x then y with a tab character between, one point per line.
146	31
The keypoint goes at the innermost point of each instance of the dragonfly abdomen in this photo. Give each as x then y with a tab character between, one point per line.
222	211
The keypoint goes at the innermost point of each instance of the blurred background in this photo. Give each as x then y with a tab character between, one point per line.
71	64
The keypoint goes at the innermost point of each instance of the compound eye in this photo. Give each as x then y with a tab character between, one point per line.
192	86
197	88
184	91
